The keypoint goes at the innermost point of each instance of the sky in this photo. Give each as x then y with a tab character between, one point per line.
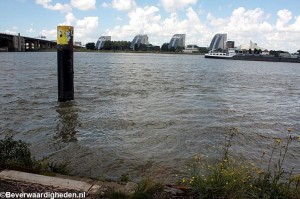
272	24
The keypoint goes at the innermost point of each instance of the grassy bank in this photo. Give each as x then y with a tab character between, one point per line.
231	178
226	178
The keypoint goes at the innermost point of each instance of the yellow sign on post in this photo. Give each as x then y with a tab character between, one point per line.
65	35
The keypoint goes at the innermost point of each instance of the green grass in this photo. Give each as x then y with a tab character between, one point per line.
232	179
118	195
225	179
125	177
146	189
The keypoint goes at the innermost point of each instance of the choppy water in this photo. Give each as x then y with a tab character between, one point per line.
148	113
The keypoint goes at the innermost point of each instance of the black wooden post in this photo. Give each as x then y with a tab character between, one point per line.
65	70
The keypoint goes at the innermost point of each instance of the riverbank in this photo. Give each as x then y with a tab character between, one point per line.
16	182
224	178
236	57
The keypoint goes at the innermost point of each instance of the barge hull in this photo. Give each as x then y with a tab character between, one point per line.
267	59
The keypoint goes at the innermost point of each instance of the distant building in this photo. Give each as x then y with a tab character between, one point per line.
178	40
137	40
285	55
229	44
150	47
77	43
218	42
101	41
192	48
295	55
265	52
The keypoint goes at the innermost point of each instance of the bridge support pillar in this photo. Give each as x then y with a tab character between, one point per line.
18	43
36	46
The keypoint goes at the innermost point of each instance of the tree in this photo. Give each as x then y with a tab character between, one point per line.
143	47
125	45
116	45
179	49
165	47
136	47
203	50
172	49
250	51
107	45
90	46
255	51
298	51
259	51
274	53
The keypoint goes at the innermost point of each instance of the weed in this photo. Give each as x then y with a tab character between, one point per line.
229	178
225	179
102	178
125	177
118	195
58	168
147	188
275	182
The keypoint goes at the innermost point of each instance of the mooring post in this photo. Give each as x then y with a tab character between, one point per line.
65	70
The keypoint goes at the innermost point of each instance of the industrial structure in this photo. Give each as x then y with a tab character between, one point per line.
20	43
138	40
218	42
251	45
178	40
101	42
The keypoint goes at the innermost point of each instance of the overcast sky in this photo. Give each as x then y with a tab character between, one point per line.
272	24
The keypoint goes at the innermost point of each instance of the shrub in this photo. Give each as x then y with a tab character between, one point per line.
14	154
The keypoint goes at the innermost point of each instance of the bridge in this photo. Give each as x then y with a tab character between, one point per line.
18	43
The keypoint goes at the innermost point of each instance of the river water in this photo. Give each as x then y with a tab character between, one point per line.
148	113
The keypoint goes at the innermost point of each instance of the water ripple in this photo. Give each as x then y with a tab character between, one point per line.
140	113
